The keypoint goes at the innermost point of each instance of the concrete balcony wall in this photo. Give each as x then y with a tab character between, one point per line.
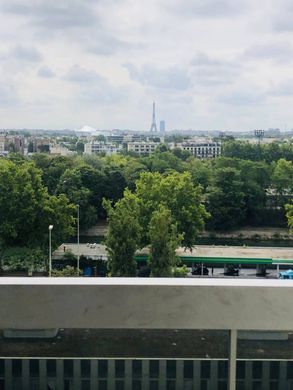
42	303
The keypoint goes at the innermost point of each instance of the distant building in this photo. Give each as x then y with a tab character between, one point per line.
38	144
200	149
2	145
11	144
60	150
142	148
162	126
118	138
101	148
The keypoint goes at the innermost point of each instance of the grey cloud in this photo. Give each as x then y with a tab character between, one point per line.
277	51
102	95
207	8
46	72
243	98
59	14
202	59
209	71
165	78
94	88
106	45
282	21
77	74
8	95
285	88
282	16
28	54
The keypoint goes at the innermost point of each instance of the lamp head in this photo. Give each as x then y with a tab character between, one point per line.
50	227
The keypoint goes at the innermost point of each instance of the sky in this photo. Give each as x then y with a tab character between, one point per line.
208	64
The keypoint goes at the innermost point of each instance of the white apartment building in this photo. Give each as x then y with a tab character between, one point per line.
142	148
101	147
202	149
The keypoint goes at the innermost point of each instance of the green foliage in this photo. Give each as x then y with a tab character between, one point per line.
163	162
164	240
289	215
132	172
69	257
52	169
27	209
44	190
123	235
182	154
225	200
201	171
80	147
21	195
282	179
256	179
179	195
180	272
163	212
29	260
68	271
258	152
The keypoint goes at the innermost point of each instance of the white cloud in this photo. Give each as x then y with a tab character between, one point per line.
46	72
207	63
171	78
276	51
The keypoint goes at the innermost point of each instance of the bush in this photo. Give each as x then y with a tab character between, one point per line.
180	272
66	272
30	260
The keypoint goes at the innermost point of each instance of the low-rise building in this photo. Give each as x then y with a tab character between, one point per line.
200	149
11	144
60	150
101	148
142	148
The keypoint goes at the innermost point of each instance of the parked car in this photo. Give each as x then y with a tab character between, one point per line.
286	274
230	270
199	270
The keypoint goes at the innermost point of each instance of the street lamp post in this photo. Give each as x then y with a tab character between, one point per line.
50	251
78	239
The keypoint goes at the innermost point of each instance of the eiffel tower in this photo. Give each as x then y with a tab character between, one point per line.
154	125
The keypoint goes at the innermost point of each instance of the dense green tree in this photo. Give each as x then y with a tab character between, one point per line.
80	147
132	171
27	209
164	241
123	235
257	152
226	199
163	162
282	180
21	195
256	180
200	170
178	194
52	169
182	154
59	212
71	184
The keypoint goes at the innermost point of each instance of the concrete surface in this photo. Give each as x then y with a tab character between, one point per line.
146	303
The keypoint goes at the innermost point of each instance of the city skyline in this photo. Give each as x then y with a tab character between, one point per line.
207	64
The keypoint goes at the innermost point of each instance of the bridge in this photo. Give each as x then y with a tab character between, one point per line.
148	303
